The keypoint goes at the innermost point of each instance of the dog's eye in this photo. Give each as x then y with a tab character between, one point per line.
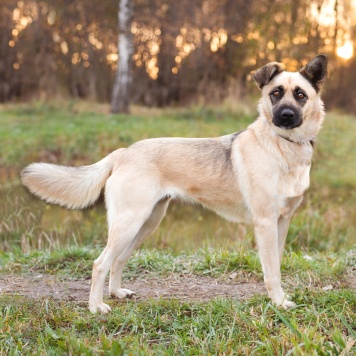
301	95
276	93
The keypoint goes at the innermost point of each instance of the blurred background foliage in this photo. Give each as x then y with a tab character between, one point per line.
184	51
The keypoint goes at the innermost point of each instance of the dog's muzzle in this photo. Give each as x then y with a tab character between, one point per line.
287	117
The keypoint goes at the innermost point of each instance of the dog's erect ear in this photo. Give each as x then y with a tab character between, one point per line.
265	74
315	71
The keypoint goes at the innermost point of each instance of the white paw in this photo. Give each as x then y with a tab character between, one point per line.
101	307
283	301
288	304
121	293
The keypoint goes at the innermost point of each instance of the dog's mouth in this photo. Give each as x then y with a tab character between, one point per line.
287	118
288	127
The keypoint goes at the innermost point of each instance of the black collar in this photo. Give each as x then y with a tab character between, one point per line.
312	142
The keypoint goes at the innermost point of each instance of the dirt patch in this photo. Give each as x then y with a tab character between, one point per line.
179	287
182	287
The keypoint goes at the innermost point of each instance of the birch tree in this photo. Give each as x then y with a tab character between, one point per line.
121	89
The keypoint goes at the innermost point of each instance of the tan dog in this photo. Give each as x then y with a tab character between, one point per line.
258	175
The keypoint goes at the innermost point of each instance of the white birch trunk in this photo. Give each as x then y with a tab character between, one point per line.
120	94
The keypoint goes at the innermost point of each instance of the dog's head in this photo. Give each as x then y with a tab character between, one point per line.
291	100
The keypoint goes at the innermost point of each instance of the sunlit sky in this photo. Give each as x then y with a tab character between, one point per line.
345	51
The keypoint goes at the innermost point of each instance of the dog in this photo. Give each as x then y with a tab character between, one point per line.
257	176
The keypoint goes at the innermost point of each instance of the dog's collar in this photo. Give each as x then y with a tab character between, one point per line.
312	141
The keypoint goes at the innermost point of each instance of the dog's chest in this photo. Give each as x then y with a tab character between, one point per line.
294	180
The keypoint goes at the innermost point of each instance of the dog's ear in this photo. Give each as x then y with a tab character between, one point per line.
315	71
265	74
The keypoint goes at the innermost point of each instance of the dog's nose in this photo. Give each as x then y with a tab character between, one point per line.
287	114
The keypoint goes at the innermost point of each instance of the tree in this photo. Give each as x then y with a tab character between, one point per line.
121	89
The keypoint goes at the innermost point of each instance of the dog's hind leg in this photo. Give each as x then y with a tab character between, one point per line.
121	236
147	228
129	204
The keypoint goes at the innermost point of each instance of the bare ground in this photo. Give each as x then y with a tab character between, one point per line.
190	288
182	287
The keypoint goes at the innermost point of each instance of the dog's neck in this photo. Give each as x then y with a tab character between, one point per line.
311	142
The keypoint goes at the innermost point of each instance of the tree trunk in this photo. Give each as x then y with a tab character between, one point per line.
120	94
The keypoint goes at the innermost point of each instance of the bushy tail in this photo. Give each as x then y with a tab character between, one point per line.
72	187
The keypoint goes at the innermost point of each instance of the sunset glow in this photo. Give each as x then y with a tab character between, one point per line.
346	51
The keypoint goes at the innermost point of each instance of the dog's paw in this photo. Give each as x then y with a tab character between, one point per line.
284	302
288	304
101	307
122	293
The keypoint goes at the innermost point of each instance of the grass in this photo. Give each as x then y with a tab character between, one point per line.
171	327
72	135
323	323
320	249
76	262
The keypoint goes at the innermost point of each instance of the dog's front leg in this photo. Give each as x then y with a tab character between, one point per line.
284	221
266	232
283	226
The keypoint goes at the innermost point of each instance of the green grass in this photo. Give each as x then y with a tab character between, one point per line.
34	237
323	323
72	135
321	326
298	269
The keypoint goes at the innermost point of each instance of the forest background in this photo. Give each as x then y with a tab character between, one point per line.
183	52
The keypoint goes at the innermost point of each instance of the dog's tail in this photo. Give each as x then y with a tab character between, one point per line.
71	187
